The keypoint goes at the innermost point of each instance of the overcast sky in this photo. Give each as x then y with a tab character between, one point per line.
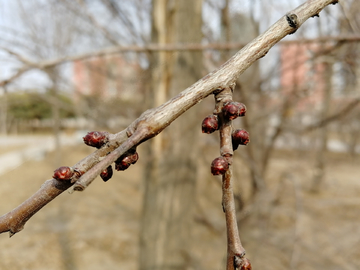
267	12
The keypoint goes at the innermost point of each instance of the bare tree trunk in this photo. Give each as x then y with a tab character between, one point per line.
319	170
170	176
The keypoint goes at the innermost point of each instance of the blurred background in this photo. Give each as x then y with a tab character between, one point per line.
69	67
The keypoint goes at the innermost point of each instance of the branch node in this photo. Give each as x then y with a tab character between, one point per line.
218	90
77	187
292	20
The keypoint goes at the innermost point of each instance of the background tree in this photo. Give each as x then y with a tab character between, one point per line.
170	176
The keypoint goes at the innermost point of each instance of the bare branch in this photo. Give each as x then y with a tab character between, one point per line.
20	72
93	20
152	122
324	122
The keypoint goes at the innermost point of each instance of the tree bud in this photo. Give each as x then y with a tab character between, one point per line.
63	173
107	173
210	124
124	162
246	265
96	138
233	109
240	137
219	166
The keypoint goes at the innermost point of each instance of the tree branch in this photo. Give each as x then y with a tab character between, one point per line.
152	122
15	220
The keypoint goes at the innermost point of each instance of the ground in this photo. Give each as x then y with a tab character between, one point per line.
286	228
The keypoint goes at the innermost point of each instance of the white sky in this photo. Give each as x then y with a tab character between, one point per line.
269	11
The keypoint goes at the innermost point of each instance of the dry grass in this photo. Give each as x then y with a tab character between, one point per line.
287	228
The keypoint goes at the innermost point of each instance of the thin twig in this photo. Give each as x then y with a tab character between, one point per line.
93	20
235	250
167	47
324	122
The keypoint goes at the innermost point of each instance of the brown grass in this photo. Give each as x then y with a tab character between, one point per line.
286	228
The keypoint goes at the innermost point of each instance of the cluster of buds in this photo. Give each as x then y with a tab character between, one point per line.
100	138
97	139
230	110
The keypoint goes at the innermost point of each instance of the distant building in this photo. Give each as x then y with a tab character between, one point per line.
108	77
302	74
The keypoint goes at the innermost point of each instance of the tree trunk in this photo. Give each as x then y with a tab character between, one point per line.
320	161
170	174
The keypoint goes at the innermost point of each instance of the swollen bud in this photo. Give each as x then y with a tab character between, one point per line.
132	159
96	138
240	137
246	265
106	174
219	166
233	110
242	109
121	165
124	162
210	124
63	173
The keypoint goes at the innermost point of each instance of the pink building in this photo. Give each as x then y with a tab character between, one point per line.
107	76
302	74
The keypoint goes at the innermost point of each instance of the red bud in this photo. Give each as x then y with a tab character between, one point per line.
210	124
63	173
124	162
219	166
240	137
233	110
246	265
107	173
96	138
